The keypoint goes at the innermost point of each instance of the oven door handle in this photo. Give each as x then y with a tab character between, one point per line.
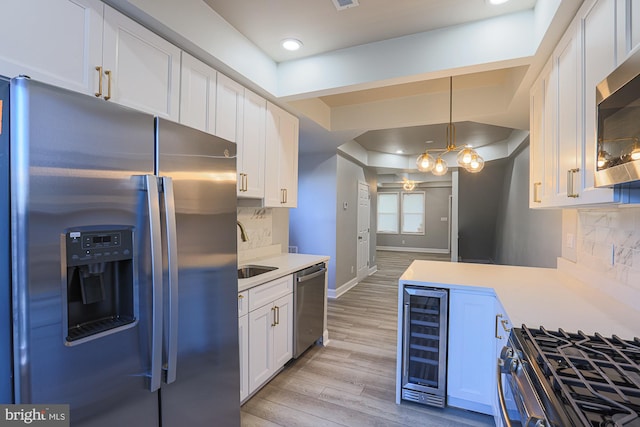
503	404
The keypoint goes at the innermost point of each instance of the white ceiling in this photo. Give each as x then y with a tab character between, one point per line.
322	28
343	92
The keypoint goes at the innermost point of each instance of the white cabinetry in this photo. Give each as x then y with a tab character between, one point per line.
54	41
539	172
251	149
243	342
471	370
563	111
281	173
270	329
89	47
229	103
197	94
141	69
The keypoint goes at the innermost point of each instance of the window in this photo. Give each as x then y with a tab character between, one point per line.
388	213
413	213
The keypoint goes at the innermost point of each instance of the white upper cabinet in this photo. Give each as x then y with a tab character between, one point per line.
563	110
143	68
251	149
229	109
281	168
88	47
537	173
566	132
54	41
598	23
197	94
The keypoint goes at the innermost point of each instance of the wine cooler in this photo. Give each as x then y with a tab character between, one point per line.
424	346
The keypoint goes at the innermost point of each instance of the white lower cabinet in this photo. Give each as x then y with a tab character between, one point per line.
243	342
270	330
478	329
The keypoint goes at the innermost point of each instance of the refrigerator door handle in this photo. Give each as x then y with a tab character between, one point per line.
171	326
153	203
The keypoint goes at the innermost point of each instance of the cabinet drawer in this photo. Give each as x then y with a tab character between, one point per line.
270	291
243	303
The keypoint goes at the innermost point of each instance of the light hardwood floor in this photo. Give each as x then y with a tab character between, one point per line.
351	381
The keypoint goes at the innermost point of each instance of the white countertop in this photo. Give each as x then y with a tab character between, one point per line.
285	264
534	296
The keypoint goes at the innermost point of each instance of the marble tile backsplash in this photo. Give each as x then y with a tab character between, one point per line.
609	242
258	223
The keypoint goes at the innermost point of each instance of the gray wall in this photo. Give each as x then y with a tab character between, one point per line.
479	198
346	231
529	237
312	225
436	235
320	225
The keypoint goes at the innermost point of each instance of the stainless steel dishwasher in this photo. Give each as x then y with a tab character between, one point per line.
308	306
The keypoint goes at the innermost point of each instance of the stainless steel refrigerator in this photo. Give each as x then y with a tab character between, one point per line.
123	263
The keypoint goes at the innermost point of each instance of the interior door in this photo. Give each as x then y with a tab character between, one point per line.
363	229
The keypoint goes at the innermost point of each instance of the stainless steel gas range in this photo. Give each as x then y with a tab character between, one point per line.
560	379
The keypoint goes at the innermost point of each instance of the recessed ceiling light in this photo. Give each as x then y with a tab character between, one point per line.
291	44
399	151
496	2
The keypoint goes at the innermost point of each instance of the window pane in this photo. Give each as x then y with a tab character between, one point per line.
413	213
388	212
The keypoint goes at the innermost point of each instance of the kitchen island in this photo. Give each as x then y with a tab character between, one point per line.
485	301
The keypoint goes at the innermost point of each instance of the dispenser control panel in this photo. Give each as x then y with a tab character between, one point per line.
98	246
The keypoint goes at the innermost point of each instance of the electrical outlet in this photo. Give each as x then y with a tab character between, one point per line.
570	241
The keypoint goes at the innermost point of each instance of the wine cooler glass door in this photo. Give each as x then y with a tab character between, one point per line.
424	346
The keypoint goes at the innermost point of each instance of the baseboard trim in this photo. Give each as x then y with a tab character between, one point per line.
337	293
405	249
373	270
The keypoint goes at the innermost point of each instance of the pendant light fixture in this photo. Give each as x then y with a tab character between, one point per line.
468	158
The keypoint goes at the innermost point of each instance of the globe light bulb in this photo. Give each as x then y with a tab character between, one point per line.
425	162
440	167
635	154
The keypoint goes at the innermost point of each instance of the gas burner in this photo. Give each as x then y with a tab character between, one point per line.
591	381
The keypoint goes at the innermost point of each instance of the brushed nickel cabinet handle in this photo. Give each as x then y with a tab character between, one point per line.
240	296
98	94
273	312
505	325
108	74
570	178
498	317
277	315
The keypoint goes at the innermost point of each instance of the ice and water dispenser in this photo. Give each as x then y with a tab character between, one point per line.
100	282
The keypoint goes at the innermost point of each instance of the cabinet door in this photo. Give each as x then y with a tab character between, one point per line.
283	331
197	94
144	69
243	340
54	41
568	149
261	324
598	60
537	173
281	158
252	147
229	103
471	370
289	159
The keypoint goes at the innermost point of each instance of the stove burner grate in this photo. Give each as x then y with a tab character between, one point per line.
596	378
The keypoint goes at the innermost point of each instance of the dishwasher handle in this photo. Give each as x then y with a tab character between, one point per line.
320	272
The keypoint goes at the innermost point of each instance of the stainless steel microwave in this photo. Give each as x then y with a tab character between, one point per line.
618	131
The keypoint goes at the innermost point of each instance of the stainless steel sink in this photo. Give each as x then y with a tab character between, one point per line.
246	271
